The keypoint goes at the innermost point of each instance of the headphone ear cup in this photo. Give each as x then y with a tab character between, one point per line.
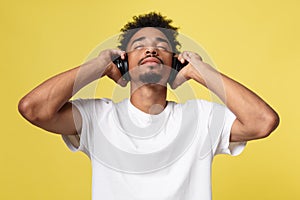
176	67
126	75
123	67
173	72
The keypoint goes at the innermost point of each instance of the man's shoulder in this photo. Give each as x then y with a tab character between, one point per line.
91	101
196	103
202	106
93	104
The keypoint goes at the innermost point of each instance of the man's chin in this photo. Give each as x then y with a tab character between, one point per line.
149	78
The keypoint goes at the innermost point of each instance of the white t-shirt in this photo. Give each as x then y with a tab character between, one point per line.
137	156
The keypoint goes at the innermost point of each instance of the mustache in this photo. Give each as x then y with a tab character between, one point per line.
148	56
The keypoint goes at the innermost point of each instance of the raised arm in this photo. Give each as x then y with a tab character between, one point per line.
255	118
48	107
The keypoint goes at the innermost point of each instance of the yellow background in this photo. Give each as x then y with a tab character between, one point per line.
256	42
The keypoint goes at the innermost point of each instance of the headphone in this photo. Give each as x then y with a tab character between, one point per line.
123	67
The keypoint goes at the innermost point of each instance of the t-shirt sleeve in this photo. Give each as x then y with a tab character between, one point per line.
224	144
86	108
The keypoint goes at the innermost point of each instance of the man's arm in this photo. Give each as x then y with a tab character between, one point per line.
255	118
48	107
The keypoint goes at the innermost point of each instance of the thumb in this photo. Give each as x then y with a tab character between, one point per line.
116	75
179	80
122	82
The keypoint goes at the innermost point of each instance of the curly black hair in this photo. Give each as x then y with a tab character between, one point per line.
151	19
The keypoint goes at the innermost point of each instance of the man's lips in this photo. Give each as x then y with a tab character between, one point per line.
151	60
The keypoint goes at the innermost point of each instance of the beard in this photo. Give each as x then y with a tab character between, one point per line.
150	77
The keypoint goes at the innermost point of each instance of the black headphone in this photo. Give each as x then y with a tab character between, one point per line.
123	66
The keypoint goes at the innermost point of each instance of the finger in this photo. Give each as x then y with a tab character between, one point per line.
179	80
116	76
123	55
119	79
115	53
119	53
181	58
122	82
186	56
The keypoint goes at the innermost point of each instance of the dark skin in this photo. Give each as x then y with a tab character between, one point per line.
47	106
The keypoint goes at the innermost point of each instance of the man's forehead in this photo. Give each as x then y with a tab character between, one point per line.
148	33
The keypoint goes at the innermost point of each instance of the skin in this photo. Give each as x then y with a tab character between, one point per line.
47	106
144	96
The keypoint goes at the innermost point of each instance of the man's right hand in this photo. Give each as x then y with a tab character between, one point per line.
47	106
106	57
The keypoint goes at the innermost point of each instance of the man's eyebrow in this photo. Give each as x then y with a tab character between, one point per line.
159	39
162	40
138	39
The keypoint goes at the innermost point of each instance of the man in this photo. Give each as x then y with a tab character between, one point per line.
147	147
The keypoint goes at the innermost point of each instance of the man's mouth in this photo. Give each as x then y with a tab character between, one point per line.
150	60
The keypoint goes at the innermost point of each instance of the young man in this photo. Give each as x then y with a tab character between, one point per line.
146	147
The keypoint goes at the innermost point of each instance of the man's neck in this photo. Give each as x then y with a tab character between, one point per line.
149	98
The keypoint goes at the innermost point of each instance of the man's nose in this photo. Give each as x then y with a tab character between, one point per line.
151	51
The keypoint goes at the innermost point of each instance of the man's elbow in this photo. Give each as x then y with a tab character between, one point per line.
268	123
29	111
25	109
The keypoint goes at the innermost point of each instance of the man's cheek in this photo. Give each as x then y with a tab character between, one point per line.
132	60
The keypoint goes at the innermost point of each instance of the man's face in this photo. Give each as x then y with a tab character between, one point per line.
149	56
